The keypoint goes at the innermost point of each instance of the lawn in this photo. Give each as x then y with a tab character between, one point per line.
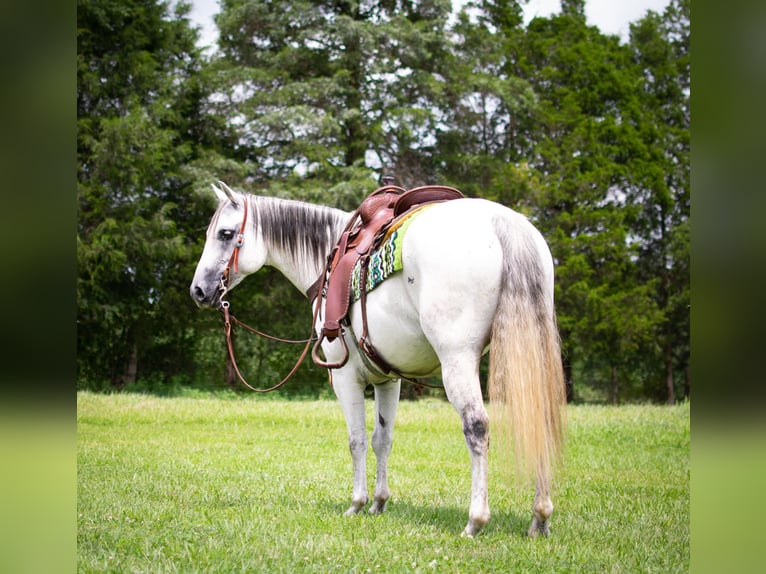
220	484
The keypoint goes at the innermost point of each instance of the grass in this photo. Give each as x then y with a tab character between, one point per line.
247	485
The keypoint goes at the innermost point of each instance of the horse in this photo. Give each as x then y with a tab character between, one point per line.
476	277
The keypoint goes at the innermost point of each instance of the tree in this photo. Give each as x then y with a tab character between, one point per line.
137	218
660	45
586	142
485	141
325	89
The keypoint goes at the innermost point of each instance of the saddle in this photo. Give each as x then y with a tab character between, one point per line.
364	233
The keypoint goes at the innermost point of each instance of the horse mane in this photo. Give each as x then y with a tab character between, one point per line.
300	230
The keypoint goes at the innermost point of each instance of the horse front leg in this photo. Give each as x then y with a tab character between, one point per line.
350	394
386	402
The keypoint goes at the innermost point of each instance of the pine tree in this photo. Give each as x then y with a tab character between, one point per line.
330	91
136	129
660	46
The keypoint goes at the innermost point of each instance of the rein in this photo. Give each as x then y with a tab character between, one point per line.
229	320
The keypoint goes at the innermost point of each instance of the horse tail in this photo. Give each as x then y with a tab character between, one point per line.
526	378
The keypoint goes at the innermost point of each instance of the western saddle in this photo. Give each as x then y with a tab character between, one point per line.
364	233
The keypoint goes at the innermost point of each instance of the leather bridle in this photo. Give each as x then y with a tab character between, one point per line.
229	320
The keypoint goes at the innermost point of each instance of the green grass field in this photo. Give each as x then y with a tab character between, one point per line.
217	484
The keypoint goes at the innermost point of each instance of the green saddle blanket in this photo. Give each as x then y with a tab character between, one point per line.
386	259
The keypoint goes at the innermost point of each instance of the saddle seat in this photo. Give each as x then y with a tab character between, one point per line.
364	233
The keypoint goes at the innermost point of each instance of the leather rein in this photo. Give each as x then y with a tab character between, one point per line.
229	320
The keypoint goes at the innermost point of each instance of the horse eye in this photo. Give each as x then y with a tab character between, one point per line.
226	235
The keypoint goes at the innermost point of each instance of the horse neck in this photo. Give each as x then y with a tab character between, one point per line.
298	236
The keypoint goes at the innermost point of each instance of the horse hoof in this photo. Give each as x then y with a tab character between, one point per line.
377	508
538	528
352	511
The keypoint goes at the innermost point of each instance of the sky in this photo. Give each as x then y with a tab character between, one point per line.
611	16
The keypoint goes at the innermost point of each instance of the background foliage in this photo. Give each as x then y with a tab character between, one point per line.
317	99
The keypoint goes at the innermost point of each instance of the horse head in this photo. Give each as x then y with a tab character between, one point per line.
232	249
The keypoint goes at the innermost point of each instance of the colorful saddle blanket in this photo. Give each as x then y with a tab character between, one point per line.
386	259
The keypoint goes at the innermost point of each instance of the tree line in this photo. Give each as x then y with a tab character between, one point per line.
317	100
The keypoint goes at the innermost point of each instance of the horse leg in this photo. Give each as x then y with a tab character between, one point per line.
542	508
386	402
350	394
461	382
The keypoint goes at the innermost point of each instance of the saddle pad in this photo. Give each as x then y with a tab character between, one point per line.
386	259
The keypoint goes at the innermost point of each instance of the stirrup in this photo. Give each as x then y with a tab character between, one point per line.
321	362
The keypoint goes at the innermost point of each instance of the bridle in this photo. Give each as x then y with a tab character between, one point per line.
229	320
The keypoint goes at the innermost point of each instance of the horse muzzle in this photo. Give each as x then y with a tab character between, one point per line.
210	297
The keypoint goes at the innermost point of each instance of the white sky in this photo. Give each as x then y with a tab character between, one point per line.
611	16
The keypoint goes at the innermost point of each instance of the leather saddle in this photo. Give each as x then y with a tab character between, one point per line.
364	233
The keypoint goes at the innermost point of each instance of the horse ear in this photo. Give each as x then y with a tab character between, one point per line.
224	192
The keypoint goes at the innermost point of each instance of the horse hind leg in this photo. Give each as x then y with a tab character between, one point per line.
476	432
386	402
461	382
542	509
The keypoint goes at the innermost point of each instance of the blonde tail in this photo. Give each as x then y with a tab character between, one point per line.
526	378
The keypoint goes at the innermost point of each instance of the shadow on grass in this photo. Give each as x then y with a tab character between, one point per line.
444	518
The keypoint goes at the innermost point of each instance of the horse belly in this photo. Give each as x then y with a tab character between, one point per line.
394	329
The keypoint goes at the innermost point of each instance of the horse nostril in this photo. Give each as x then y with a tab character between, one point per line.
199	294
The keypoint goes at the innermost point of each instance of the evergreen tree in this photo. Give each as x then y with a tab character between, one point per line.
333	90
485	139
137	218
660	46
588	136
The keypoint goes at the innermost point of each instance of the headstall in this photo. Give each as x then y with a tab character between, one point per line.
228	319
